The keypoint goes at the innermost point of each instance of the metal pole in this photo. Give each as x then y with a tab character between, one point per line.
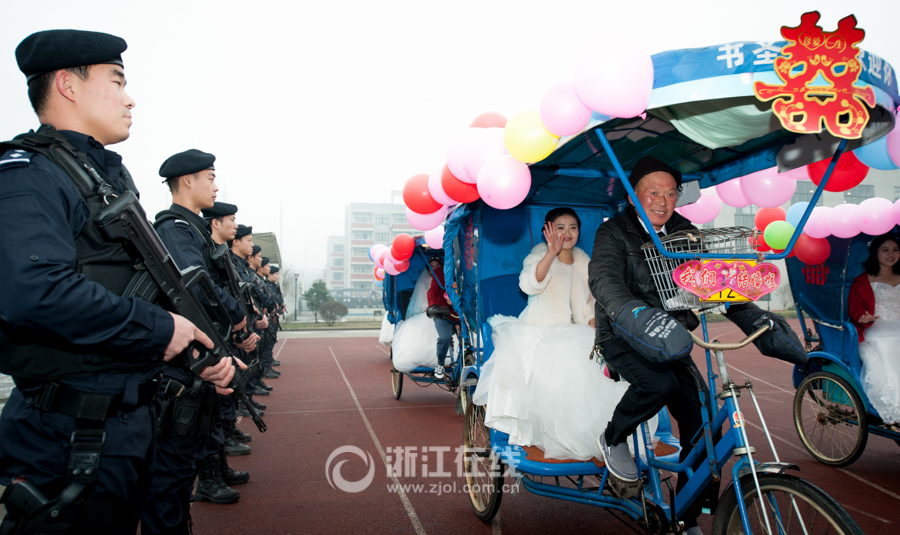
296	301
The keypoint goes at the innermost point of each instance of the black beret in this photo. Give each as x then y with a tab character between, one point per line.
243	230
265	260
51	50
219	209
256	250
274	270
186	163
649	164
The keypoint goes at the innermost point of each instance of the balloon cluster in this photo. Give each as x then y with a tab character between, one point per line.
770	190
489	160
394	260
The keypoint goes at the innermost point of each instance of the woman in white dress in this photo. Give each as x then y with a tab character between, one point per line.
540	386
875	308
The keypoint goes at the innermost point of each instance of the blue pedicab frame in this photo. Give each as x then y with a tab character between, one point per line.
396	292
586	173
833	414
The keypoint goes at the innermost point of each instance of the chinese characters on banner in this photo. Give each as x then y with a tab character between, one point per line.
747	279
819	70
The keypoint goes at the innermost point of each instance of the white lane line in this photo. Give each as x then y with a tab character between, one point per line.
370	408
410	511
283	343
761	381
495	525
851	474
382	349
854	509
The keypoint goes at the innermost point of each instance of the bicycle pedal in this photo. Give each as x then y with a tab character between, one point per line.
623	489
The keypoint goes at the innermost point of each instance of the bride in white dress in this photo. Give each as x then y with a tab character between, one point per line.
879	351
540	386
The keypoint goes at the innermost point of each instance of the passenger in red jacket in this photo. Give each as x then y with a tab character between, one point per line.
437	296
882	266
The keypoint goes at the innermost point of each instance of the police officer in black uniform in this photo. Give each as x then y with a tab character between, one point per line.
189	420
266	357
78	430
273	277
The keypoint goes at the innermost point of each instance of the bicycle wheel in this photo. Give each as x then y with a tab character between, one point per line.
465	392
484	470
820	513
396	383
830	419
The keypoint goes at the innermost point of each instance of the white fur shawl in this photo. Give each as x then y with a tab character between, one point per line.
563	296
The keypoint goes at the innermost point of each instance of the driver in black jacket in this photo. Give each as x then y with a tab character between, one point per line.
621	283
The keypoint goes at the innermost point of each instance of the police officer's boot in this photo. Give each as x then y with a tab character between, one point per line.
233	431
234	447
211	487
269	373
229	476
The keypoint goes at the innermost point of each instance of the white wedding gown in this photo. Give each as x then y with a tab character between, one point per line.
540	386
414	341
880	354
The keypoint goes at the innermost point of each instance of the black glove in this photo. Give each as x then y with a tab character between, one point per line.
780	342
652	332
438	311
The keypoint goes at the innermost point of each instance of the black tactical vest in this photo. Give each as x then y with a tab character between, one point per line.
32	356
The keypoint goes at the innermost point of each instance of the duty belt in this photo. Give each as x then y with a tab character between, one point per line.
55	397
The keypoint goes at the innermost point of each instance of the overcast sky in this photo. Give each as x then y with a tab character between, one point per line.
309	106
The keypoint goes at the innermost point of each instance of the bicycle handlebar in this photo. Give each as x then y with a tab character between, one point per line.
717	346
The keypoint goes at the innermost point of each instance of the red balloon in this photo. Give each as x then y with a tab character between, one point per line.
417	197
848	172
767	215
456	189
812	251
382	258
489	120
403	246
402	266
759	243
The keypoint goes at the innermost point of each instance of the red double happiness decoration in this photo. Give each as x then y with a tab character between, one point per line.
809	55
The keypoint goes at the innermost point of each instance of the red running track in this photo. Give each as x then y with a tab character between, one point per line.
336	392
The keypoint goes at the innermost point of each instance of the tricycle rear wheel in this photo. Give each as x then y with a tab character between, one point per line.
830	419
483	467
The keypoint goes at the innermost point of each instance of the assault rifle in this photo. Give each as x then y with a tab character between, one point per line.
124	221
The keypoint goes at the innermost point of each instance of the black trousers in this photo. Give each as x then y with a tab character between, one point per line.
654	386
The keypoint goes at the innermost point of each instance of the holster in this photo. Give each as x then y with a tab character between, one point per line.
190	414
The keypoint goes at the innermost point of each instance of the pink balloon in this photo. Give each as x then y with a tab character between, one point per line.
504	182
426	221
389	259
817	224
379	274
893	143
614	75
377	249
562	112
731	194
434	238
437	191
459	150
482	148
842	220
382	258
704	210
895	212
797	174
874	216
767	188
391	269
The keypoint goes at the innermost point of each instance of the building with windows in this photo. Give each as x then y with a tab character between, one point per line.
349	270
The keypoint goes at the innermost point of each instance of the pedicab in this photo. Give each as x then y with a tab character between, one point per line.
397	294
705	120
833	414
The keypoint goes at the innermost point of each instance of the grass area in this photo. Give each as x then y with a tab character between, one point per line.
339	326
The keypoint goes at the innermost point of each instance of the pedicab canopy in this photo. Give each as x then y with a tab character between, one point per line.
714	113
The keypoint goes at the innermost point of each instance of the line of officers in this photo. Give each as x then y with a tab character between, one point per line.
107	427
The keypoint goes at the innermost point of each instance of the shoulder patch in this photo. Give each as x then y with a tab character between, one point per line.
15	158
182	221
